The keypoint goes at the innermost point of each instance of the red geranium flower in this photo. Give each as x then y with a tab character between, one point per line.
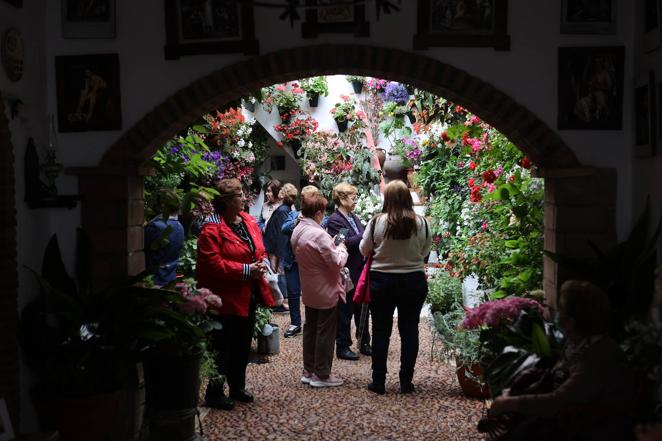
489	176
526	162
472	165
444	136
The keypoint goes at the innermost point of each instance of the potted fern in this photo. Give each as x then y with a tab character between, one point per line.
314	87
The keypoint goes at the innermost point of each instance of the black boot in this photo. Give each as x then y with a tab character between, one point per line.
215	397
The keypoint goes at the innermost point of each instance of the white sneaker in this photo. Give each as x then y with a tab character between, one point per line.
331	381
306	377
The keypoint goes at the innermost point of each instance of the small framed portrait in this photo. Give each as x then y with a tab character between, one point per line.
462	23
6	430
591	88
88	93
88	18
651	10
196	27
645	115
277	162
333	16
588	17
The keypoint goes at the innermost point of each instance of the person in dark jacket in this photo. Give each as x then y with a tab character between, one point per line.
279	248
344	196
164	239
230	254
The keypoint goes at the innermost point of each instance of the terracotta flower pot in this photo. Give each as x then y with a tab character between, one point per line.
469	386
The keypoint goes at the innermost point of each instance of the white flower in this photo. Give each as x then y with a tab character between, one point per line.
241	143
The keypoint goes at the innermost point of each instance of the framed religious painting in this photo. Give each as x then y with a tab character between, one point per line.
645	116
88	93
588	16
88	18
334	16
462	23
195	27
590	87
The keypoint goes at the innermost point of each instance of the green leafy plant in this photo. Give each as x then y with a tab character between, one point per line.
444	292
459	344
354	78
315	86
344	110
262	317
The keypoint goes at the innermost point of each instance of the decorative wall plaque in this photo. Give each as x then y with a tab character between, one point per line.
12	53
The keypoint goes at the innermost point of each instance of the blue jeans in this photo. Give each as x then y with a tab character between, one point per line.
294	294
407	292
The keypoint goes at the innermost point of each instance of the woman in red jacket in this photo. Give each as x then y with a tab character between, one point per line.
230	253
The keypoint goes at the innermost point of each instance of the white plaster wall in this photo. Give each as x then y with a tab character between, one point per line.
527	72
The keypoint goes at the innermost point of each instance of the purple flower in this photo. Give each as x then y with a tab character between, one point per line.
396	93
495	312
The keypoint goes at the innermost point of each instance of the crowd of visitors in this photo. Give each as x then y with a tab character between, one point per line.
316	254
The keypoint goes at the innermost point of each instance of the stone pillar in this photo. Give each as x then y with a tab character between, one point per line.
580	206
112	214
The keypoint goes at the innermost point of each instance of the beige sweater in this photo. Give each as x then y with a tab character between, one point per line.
396	256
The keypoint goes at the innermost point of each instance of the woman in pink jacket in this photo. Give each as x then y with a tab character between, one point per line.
320	261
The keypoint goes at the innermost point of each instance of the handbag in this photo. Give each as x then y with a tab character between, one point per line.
346	279
362	291
271	277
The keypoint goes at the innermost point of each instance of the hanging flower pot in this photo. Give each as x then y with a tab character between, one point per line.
296	145
285	115
249	105
410	176
313	99
411	116
342	125
357	86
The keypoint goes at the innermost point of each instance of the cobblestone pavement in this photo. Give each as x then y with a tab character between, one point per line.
285	409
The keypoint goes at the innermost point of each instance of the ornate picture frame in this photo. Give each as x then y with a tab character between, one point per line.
645	115
334	19
588	17
85	19
590	87
453	23
192	29
88	93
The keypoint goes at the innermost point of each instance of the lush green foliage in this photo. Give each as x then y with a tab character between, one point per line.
315	86
444	292
461	345
486	206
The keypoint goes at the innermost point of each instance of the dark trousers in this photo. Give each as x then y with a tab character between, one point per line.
345	313
406	292
294	294
318	333
233	346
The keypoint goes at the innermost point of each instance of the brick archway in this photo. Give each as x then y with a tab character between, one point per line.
522	127
113	209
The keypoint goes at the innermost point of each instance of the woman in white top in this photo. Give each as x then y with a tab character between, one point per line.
400	240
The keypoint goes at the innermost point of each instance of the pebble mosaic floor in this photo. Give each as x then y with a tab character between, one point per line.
285	409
